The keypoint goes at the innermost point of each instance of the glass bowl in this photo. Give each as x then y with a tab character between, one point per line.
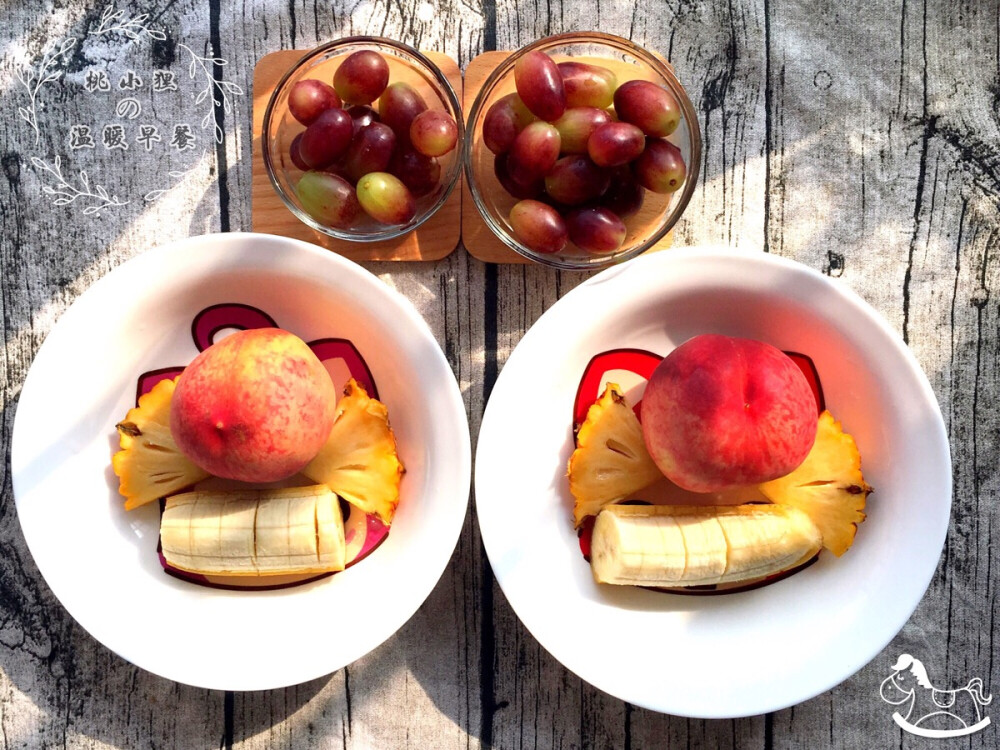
659	212
280	128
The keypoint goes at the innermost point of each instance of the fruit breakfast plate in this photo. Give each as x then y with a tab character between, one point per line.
749	649
124	341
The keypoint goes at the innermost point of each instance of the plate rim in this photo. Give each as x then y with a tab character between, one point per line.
460	462
693	254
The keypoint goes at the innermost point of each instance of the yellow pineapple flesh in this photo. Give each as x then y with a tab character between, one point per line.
610	461
828	486
150	465
358	460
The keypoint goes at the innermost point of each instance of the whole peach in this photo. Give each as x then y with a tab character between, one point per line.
720	412
257	406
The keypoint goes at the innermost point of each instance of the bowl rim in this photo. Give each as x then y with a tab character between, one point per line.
391	232
662	67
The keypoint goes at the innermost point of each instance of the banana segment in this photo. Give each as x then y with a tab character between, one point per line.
254	532
671	545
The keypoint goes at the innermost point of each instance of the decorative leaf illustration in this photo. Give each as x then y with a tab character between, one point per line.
218	90
48	72
64	193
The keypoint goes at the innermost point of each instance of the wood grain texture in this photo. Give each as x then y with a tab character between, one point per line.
858	139
432	240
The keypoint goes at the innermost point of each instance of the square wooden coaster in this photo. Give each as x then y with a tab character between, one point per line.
434	239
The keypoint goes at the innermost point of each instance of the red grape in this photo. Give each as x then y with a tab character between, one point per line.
293	153
575	179
587	85
434	132
419	173
651	108
538	226
624	196
576	125
503	121
326	139
385	198
531	189
534	152
398	106
362	77
499	128
615	143
370	151
310	98
329	199
363	116
540	85
339	169
596	230
660	167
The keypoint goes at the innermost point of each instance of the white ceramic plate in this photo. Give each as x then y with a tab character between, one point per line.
101	562
743	653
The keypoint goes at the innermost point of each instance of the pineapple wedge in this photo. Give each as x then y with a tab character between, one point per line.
358	460
828	486
150	465
610	461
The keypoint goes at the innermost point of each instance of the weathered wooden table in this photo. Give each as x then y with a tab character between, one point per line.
859	138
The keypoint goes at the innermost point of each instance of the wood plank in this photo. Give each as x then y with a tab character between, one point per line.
887	207
717	51
422	687
58	686
432	240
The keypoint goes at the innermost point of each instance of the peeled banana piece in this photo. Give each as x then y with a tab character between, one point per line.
251	532
671	545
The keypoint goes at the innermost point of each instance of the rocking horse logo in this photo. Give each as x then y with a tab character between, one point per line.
932	712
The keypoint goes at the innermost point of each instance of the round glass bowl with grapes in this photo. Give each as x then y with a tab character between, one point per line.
583	150
362	139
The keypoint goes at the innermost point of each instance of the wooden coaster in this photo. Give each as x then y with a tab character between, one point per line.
477	237
432	240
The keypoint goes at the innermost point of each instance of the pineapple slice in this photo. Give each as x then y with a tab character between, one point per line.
358	460
827	486
610	461
150	465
